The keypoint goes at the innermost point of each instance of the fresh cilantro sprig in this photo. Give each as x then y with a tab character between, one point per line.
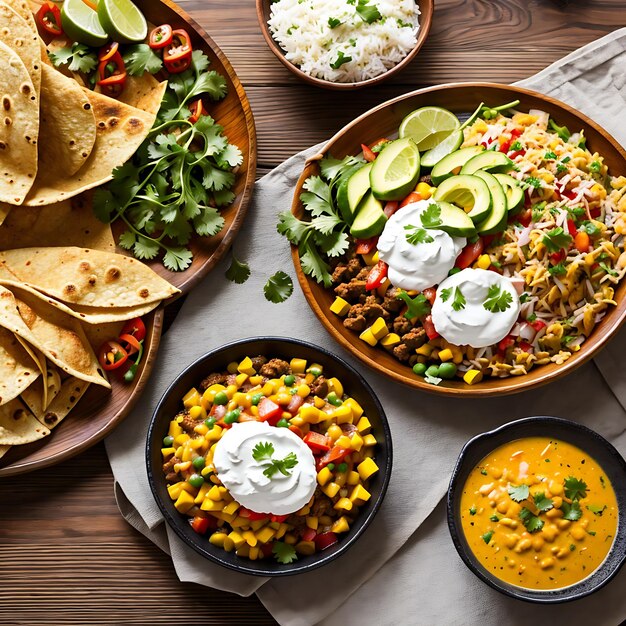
531	521
368	12
416	307
541	502
458	302
78	58
498	299
238	272
284	552
341	59
518	493
278	287
263	453
609	270
141	58
430	218
556	239
575	488
416	234
571	512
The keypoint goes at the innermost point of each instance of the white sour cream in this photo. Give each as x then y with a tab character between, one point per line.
474	325
244	478
416	266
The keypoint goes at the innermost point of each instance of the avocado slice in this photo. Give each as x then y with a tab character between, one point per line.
446	167
455	221
351	191
514	193
496	220
466	191
396	170
370	218
488	160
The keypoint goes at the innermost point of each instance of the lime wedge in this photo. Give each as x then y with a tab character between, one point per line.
80	23
445	147
123	21
428	126
396	170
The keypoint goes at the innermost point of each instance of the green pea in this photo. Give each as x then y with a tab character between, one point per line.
168	441
419	369
195	480
199	462
447	370
210	422
433	371
256	398
333	399
331	466
282	423
220	398
315	371
342	468
293	391
232	416
289	380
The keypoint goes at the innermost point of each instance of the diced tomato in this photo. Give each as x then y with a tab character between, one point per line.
595	213
366	246
469	254
430	295
278	518
202	524
567	193
507	342
218	411
538	325
516	132
390	208
368	155
557	257
524	218
317	442
505	147
412	197
571	228
325	540
524	346
377	276
246	417
308	535
253	516
269	411
294	404
335	455
296	431
516	153
267	549
429	327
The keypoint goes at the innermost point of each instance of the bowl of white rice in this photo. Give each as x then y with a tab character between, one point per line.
345	44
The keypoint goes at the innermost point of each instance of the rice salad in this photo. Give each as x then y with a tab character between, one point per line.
345	41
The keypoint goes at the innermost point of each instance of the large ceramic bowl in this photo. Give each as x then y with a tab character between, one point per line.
383	121
580	436
216	361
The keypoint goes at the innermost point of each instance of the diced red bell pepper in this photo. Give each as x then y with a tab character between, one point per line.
308	535
469	254
507	342
567	193
557	257
595	212
317	442
429	327
505	147
411	198
538	325
390	208
294	404
335	455
524	346
516	153
368	155
366	246
269	411
278	518
296	431
516	132
202	524
430	295
571	228
325	540
377	276
253	516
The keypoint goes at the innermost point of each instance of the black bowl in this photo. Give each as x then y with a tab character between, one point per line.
216	361
586	439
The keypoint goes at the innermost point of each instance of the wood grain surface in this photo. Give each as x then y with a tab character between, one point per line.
66	555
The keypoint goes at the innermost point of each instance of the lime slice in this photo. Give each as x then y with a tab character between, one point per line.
123	21
396	170
80	23
445	147
428	126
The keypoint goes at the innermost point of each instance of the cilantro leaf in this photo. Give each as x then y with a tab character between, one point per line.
331	169
263	451
596	510
340	60
609	270
550	155
141	58
445	294
284	552
558	269
595	167
368	12
127	240
177	259
145	248
590	228
531	522
282	465
498	299
518	492
431	216
313	265
487	536
417	307
575	488
78	58
317	198
542	503
571	512
333	22
278	287
238	272
459	300
418	235
472	510
532	181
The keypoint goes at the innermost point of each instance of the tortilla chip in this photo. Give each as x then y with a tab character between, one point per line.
120	130
143	92
67	126
23	10
4	450
18	371
18	130
86	277
5	209
17	34
18	425
59	336
67	223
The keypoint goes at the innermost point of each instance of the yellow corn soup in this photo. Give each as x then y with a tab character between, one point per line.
539	513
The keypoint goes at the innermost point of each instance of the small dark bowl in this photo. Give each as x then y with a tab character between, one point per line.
586	439
216	361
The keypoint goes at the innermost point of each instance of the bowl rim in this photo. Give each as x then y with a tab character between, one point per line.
297	568
426	8
513	384
522	593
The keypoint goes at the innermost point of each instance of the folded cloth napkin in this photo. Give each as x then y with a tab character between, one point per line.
427	431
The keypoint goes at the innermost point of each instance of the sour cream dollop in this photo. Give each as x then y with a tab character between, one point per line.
243	476
422	265
473	324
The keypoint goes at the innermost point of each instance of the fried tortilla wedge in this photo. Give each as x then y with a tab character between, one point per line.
22	8
18	371
18	425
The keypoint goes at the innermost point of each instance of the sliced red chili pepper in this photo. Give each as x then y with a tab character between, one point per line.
325	540
571	228
368	155
412	197
278	518
366	246
376	276
112	73
269	411
202	524
516	132
112	355
430	294
108	52
317	442
177	55
390	208
429	327
469	254
136	328
113	86
133	345
197	110
160	37
49	19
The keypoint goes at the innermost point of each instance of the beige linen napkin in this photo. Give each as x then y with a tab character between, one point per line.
427	431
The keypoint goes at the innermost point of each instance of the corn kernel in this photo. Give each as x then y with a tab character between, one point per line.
331	490
167	452
240	379
356	442
343	414
231	508
340	526
250	538
391	340
445	355
242	399
298	366
366	468
191	398
202	492
312	522
323	476
334	432
245	367
357	410
364	425
379	328
368	337
236	538
217	539
312	415
297	421
197	413
290	539
265	534
174	490
382	289
184	502
306	548
424	350
344	441
343	504
319	403
483	262
334	384
206	471
353	478
424	190
214	493
211	505
175	429
360	495
283	399
472	377
340	307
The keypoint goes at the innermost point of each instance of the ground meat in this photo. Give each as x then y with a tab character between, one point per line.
363	274
188	424
391	302
415	338
168	469
426	179
356	324
319	387
365	313
275	368
345	272
218	378
401	325
372	308
402	352
321	504
351	291
257	362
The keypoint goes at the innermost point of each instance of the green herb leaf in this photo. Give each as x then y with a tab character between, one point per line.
487	536
278	287
531	522
177	259
445	294
333	22
140	59
459	300
596	509
561	131
367	12
518	492
417	235
498	299
431	216
238	272
78	58
556	239
609	270
595	167
542	503
284	552
575	488
340	60
532	181
571	511
494	518
263	451
590	228
558	269
417	307
550	155
472	510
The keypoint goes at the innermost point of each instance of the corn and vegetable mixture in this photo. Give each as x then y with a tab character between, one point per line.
293	395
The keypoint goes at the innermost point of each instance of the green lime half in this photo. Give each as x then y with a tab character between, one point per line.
80	23
445	147
428	126
123	21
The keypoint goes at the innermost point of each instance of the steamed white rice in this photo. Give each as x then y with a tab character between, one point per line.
301	28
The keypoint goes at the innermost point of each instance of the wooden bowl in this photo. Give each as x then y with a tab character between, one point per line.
384	121
263	11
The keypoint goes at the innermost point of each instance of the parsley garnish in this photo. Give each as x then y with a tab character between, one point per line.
575	489
542	503
140	59
518	492
284	552
556	239
333	22
538	210
238	272
494	518
431	216
558	269
417	307
498	299
609	270
416	235
524	297
532	523
445	294
487	536
459	300
278	287
368	12
263	452
532	181
571	511
340	60
78	58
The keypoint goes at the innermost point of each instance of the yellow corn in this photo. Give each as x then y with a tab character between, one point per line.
240	379
341	526
379	328
245	367
340	307
191	398
206	471
231	508
184	502
242	399
343	504
483	262
167	452
312	415
371	258
202	492
319	403
382	290
312	522
211	505
360	495
391	340
334	432
357	410
214	493
334	384
353	478
232	367
303	390
343	414
366	468
364	425
331	490
265	534
445	355
306	548
356	442
344	441
236	538
524	119
298	366
424	190
323	476
175	429
368	337
424	350
472	377
197	412
217	539
214	434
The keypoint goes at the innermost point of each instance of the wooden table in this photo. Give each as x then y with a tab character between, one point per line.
66	555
